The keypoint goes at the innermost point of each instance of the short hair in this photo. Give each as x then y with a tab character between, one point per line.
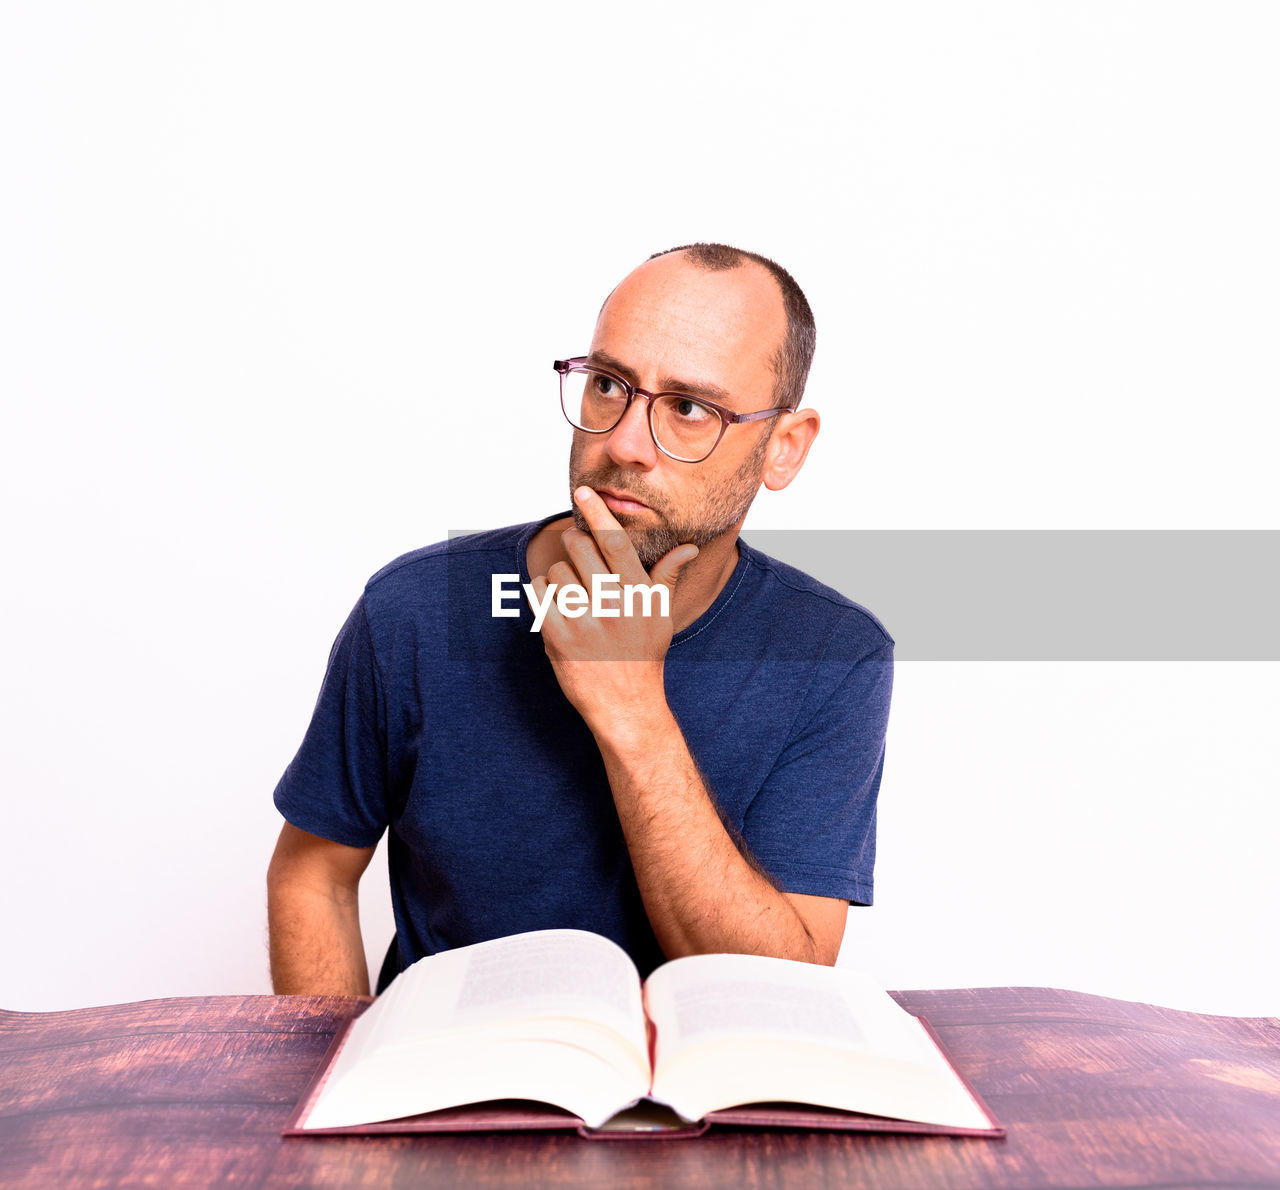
792	359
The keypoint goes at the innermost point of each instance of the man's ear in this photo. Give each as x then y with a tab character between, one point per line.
788	446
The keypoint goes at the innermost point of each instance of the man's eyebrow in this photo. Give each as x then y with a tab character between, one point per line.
666	384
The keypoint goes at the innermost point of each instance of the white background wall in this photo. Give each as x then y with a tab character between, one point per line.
258	261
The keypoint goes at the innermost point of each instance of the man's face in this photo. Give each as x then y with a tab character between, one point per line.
673	327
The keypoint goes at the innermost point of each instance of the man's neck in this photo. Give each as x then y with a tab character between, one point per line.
697	586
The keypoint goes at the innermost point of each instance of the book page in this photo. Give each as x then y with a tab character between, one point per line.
568	974
553	1015
729	995
734	1029
549	971
702	1010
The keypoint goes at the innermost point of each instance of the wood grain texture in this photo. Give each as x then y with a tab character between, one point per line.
194	1092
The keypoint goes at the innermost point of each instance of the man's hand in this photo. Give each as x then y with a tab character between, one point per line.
610	668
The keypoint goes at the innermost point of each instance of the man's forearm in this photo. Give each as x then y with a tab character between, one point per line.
315	941
701	893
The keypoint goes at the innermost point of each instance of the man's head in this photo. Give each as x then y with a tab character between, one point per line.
794	354
711	321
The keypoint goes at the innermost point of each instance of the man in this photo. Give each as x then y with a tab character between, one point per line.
699	781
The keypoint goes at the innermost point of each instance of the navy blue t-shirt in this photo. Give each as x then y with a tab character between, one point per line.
447	725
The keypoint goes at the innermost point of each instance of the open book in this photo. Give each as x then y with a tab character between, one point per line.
561	1017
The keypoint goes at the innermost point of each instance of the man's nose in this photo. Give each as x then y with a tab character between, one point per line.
629	442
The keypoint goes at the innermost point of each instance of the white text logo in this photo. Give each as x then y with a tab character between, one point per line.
606	598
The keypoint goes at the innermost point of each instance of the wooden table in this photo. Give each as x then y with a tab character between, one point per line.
194	1092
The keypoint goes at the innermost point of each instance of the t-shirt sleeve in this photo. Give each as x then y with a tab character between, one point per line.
812	825
336	786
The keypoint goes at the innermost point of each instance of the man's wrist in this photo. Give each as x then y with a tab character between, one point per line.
635	731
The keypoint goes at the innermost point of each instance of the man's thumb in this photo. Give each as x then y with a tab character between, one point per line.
667	568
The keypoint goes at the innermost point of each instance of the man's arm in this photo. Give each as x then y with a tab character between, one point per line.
313	915
701	891
702	894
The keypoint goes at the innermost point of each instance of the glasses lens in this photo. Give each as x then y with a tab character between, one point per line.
592	400
685	428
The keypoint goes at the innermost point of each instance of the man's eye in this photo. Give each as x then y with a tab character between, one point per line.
606	386
687	409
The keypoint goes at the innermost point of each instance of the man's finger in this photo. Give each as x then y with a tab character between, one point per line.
584	554
610	536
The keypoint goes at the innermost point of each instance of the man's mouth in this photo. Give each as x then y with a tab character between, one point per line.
621	501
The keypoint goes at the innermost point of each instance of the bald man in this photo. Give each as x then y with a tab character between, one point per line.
692	770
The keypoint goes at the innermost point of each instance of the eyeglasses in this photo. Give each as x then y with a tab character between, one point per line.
684	427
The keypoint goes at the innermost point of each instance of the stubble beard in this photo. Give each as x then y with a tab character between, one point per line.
719	509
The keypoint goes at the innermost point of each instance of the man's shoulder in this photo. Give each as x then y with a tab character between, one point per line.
806	605
408	568
415	580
